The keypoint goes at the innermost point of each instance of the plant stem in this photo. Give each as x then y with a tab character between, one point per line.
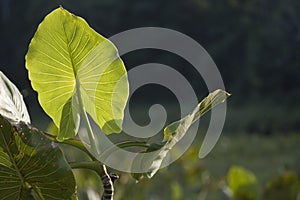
89	130
102	172
132	144
86	120
79	145
98	167
125	144
72	142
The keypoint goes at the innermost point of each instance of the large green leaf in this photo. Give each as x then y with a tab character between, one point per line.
31	166
242	184
173	133
67	58
12	105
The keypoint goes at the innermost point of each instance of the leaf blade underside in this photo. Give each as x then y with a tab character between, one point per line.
67	58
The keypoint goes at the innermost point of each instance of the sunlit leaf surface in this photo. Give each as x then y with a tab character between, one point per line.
67	58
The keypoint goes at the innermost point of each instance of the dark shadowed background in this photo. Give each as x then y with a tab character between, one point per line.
255	45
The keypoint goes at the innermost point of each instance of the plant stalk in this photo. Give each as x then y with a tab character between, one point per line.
123	145
72	142
98	167
86	119
101	170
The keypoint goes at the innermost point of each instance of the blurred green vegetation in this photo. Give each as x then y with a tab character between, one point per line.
242	184
272	165
286	186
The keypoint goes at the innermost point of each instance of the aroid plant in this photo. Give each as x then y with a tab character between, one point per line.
77	73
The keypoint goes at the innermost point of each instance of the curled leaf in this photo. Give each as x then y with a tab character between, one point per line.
173	133
12	105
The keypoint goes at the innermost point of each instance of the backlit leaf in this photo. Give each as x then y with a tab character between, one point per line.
67	58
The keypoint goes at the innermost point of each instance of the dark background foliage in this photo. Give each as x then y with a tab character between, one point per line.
255	45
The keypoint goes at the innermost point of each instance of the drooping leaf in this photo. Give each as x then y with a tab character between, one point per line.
67	58
173	133
12	105
31	166
242	184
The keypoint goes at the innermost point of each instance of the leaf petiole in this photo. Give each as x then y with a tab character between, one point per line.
86	119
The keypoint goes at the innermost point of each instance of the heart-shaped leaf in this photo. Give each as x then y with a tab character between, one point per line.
67	58
12	105
173	133
31	166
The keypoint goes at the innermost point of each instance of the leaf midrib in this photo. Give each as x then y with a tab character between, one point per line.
69	50
73	66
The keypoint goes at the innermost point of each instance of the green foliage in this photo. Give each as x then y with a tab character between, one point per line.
206	176
242	184
188	179
31	166
286	186
173	133
176	191
72	67
75	71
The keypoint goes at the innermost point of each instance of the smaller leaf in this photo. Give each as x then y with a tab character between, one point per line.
12	105
173	133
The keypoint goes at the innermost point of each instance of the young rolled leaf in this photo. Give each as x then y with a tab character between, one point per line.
31	166
12	105
66	59
173	133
